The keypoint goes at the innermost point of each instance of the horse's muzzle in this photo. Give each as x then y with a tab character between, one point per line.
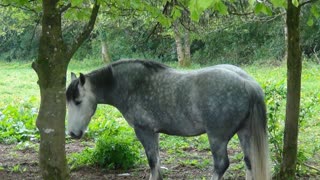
74	136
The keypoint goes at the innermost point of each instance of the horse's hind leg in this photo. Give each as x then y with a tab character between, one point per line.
244	137
150	142
220	156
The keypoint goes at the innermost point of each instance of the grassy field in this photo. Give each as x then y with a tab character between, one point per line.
18	86
19	81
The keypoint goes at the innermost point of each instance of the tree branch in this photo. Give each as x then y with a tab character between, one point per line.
65	8
306	2
86	31
24	8
34	32
311	167
5	5
165	11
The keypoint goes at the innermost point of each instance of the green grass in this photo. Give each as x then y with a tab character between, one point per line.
19	84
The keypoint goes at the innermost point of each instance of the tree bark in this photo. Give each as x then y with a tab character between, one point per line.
104	48
187	54
104	52
182	45
51	67
285	30
179	43
294	66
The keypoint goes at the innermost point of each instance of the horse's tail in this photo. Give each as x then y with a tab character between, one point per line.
259	139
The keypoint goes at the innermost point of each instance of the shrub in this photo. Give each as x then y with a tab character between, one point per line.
116	152
275	95
17	122
116	148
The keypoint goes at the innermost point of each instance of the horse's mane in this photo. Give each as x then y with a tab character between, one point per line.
151	65
104	75
72	90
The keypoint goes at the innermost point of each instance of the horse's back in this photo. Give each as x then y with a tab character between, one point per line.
192	102
222	96
209	98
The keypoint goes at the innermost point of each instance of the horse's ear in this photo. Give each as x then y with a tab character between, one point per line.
82	79
73	76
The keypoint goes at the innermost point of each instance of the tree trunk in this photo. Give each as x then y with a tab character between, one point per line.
285	29
187	54
294	66
104	52
51	67
179	44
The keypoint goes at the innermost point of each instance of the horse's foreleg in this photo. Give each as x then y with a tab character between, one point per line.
150	142
220	157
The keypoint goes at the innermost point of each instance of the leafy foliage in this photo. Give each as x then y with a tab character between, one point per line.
130	30
117	151
275	99
116	148
17	122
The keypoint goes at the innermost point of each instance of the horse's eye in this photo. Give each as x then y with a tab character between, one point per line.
77	102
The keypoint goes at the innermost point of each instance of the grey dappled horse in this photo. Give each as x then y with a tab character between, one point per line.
220	100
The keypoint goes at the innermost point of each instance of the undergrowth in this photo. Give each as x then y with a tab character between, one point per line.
17	122
116	148
275	95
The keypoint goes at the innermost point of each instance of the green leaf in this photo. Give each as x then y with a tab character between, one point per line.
315	11
22	2
176	12
164	21
310	21
196	7
278	3
251	2
136	4
194	12
262	8
295	3
76	2
221	7
204	4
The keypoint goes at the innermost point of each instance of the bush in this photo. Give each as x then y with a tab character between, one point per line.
17	122
275	95
116	148
116	152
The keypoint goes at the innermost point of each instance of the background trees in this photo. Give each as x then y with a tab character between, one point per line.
240	37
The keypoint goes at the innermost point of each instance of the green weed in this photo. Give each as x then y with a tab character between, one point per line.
18	169
116	148
117	151
17	122
275	95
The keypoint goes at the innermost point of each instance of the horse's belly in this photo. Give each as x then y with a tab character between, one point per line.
182	128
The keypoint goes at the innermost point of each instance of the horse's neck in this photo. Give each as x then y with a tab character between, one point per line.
102	85
128	81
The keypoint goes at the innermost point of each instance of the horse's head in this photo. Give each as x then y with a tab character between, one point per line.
81	104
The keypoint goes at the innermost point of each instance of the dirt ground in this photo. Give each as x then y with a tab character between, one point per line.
18	164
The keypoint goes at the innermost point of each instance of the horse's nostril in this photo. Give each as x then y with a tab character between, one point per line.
76	136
